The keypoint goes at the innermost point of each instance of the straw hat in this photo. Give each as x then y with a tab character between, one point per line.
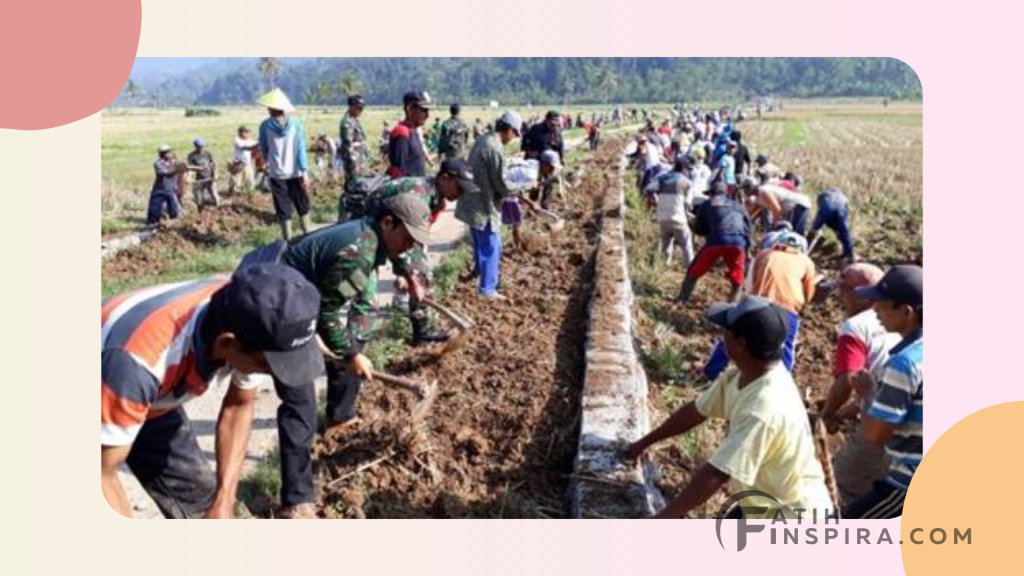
276	99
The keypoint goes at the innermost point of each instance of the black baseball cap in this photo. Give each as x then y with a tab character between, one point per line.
462	171
902	284
272	308
455	109
417	98
762	325
356	100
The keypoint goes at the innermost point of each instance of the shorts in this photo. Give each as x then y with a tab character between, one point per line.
511	212
289	193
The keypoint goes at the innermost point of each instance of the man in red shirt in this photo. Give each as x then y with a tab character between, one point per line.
406	156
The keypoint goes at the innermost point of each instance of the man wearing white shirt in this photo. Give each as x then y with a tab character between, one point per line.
243	176
863	345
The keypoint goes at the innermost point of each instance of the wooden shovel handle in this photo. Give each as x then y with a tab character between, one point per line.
463	323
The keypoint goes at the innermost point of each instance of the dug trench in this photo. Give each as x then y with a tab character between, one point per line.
500	438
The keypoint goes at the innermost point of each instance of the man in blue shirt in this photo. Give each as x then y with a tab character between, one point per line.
896	414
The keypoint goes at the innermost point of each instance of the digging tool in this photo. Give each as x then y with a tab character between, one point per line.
556	224
425	392
464	325
821	443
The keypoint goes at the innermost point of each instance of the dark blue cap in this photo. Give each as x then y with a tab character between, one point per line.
272	308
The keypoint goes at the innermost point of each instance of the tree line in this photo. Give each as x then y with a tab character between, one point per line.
327	81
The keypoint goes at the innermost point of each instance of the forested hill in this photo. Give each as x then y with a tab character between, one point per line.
526	80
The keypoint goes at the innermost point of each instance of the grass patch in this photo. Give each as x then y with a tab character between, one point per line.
447	272
259	489
795	133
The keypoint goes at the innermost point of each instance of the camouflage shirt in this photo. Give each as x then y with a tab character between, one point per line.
353	146
454	137
423	189
341	261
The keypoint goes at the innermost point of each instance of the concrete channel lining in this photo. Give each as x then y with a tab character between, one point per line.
614	402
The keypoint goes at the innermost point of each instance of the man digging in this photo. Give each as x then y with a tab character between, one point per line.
163	346
769	446
341	261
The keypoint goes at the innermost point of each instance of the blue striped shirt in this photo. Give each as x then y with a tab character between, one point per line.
899	400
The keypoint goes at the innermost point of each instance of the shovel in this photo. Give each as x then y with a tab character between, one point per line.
556	224
464	324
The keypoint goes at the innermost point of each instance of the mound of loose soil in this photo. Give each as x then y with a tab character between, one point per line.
500	438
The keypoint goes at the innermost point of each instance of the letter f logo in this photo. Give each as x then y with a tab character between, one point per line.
741	527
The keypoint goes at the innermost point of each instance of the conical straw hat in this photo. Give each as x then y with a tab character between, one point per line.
277	100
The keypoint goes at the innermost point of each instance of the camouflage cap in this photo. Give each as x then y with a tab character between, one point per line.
414	213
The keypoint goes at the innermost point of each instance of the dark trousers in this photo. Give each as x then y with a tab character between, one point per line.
883	501
798	218
296	427
158	199
343	390
169	464
289	193
835	216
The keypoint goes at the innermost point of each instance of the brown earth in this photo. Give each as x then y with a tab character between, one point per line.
500	438
223	226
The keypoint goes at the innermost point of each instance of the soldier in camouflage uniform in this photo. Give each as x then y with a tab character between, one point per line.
353	140
454	135
453	180
341	261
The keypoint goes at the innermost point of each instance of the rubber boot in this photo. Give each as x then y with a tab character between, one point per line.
286	229
422	333
689	284
305	223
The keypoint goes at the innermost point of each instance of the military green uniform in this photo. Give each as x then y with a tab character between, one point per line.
353	147
454	138
341	261
415	259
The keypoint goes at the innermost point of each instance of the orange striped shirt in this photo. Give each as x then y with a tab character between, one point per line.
148	355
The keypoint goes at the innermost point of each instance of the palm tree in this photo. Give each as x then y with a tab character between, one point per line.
350	84
606	82
324	92
270	68
132	91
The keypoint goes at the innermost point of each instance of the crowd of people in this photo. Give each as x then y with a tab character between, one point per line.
306	305
756	221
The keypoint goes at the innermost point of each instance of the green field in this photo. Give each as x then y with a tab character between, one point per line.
131	136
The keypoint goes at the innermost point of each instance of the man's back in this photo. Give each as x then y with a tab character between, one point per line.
454	135
785	276
721	216
769	446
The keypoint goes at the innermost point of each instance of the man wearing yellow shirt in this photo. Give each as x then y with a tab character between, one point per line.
769	446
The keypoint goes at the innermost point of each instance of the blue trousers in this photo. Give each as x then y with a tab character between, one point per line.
487	258
157	200
835	215
719	359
